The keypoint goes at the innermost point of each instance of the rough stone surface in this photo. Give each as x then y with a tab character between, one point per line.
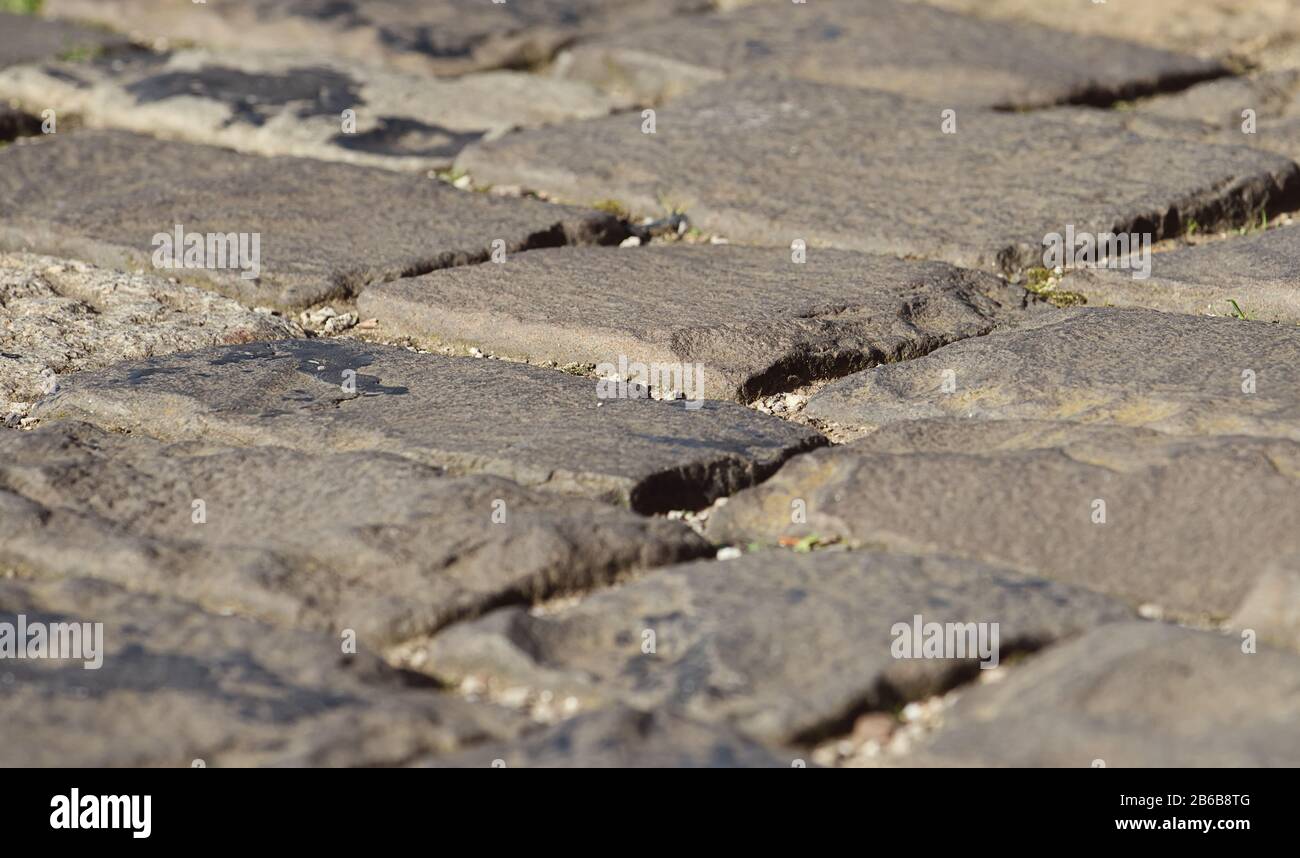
1272	95
785	647
625	739
425	36
1272	608
1211	27
327	230
538	427
1213	112
1132	695
1187	524
59	316
364	541
756	321
178	685
1186	375
26	39
794	168
881	44
1260	272
285	105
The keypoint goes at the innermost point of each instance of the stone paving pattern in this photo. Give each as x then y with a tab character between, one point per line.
771	644
225	690
535	426
794	170
887	45
543	431
441	37
1205	515
758	322
25	39
284	105
1184	375
1210	27
1132	696
104	195
367	541
1255	275
59	317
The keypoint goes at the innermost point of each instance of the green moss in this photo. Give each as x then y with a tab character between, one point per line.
80	54
21	7
1043	283
1062	298
807	544
1037	279
613	207
449	176
1256	225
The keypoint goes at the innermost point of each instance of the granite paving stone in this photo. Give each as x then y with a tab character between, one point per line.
325	541
1240	28
28	39
1256	274
1184	524
443	37
59	316
1272	95
176	686
1215	112
290	105
1180	374
542	428
764	161
1271	610
752	319
324	231
784	647
1132	695
890	45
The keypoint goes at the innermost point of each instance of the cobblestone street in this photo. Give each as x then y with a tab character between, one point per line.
650	383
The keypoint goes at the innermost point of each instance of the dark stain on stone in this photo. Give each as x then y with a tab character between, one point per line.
138	375
429	41
243	355
322	10
328	363
397	136
66	77
831	33
137	60
254	98
324	362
